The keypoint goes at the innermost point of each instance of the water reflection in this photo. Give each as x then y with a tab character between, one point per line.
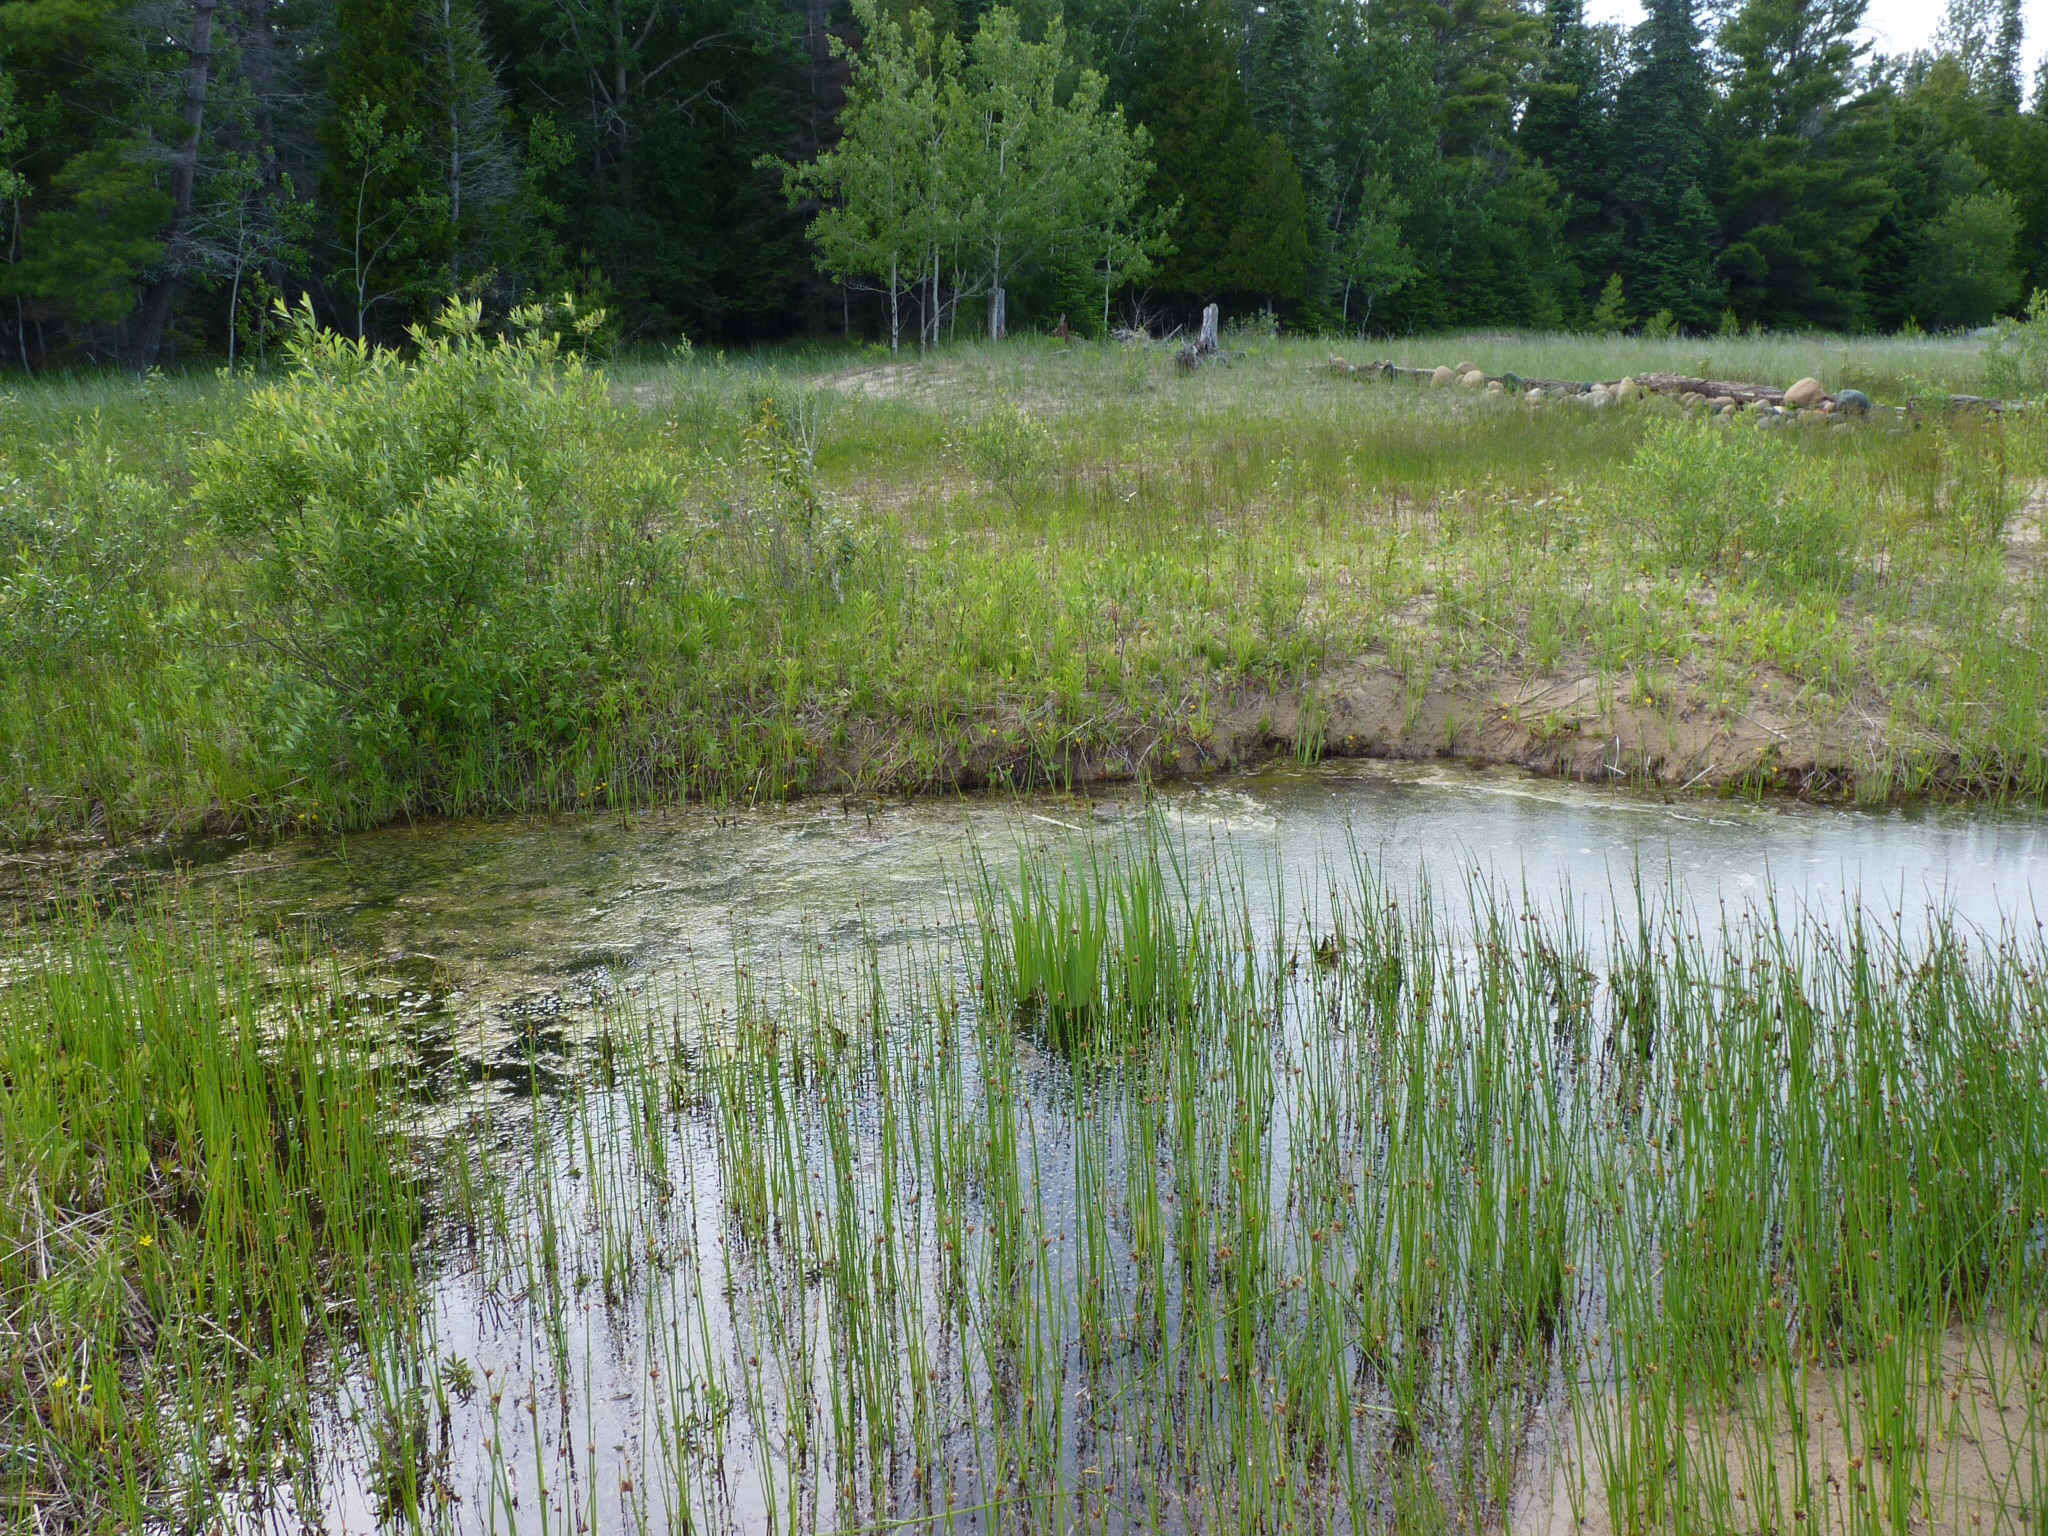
517	914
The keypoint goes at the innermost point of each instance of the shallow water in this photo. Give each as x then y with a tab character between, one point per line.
531	914
606	1406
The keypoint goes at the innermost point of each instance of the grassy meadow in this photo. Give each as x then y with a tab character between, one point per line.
484	579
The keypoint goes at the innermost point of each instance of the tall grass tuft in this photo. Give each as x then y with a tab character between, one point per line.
202	1196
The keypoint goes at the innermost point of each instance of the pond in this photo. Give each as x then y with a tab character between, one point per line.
772	1192
534	912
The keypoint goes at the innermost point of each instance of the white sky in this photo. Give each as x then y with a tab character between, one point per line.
1894	26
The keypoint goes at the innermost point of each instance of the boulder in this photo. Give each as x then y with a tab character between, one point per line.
1691	398
1442	377
1496	388
1599	397
1472	378
1853	401
1806	392
1730	407
1465	368
1339	365
1627	390
1534	395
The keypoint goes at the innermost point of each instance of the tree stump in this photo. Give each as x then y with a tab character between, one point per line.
1206	342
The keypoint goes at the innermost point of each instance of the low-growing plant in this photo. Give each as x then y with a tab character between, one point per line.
1730	501
80	544
1007	447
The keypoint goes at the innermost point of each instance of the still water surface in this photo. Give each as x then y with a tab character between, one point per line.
500	936
510	912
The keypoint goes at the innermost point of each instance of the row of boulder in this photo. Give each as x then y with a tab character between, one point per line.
1719	396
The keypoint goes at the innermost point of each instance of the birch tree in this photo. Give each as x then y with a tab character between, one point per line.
889	195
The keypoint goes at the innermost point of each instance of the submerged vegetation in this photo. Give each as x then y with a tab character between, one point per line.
1128	1209
484	576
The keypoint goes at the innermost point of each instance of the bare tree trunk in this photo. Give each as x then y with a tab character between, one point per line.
995	295
234	303
895	308
156	305
619	90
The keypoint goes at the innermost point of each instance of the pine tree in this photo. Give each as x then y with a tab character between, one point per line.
1567	131
1287	65
1241	229
2006	57
1668	230
1801	184
1984	37
1482	51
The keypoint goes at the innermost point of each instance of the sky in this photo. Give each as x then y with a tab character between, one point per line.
1895	26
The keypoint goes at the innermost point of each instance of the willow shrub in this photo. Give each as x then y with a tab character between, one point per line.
1729	499
440	551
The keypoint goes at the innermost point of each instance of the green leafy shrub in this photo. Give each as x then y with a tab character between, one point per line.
2016	360
1723	499
79	544
449	548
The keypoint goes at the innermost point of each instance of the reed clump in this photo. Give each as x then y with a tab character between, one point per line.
204	1201
1384	1221
1135	1196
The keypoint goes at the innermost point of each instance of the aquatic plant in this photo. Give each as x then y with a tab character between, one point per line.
204	1199
1382	1222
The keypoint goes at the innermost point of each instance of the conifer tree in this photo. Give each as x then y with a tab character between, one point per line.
1287	65
2003	72
1801	183
1567	131
1242	225
1661	155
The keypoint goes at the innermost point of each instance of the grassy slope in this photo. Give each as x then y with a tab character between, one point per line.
1050	562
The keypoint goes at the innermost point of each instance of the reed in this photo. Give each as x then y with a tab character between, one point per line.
208	1202
1382	1222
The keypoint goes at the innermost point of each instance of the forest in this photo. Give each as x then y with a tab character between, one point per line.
737	171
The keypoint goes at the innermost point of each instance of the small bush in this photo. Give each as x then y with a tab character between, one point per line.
2016	360
445	547
1743	504
1008	448
79	545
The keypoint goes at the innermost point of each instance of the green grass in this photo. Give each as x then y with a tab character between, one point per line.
1007	567
205	1199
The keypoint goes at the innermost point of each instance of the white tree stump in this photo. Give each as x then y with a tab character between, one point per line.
1207	341
997	325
